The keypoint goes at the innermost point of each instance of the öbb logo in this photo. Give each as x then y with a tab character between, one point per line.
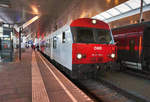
98	48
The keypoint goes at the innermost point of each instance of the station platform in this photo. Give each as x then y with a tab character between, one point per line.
34	79
15	80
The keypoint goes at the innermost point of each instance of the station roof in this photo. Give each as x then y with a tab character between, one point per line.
20	11
128	8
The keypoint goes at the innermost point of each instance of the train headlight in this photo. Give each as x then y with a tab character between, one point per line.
112	55
94	21
79	56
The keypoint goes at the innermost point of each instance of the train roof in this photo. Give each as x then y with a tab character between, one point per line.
87	22
144	24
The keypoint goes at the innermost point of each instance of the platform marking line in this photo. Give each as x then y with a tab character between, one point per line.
39	93
62	85
75	87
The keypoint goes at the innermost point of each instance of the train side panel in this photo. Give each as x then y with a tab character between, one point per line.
47	45
133	45
129	46
62	50
146	49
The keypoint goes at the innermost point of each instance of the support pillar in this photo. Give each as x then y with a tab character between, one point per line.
20	31
141	12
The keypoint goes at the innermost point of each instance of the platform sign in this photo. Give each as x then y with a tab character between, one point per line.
1	31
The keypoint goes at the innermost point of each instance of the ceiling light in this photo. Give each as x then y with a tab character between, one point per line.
4	5
35	10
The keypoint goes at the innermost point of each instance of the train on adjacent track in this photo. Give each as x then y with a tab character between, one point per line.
133	43
83	46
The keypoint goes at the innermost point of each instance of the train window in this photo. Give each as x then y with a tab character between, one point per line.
131	45
54	42
85	36
82	35
0	44
49	43
146	37
91	35
63	37
102	36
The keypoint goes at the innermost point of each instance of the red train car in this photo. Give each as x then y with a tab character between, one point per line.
134	45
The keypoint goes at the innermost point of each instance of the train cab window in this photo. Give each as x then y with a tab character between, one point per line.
102	36
63	37
54	42
82	35
85	36
91	35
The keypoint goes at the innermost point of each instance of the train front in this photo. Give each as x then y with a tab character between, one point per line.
93	45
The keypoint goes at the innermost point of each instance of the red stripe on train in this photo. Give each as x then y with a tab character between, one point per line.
136	48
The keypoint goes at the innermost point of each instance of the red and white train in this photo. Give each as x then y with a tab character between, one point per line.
82	46
134	46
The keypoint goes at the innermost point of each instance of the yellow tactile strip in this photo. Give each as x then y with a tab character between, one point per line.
75	94
39	93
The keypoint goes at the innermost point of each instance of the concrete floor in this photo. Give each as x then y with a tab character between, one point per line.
15	80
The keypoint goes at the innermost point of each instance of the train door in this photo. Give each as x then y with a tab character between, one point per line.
131	58
121	44
146	48
132	53
51	48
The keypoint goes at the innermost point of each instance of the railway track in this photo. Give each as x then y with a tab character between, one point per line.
129	95
102	90
107	91
142	74
128	85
